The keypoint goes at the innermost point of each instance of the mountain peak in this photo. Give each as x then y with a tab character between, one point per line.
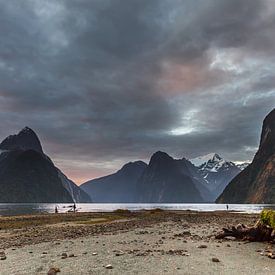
133	165
26	139
268	132
160	156
212	163
198	161
26	130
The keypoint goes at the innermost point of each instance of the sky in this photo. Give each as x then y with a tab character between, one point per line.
105	82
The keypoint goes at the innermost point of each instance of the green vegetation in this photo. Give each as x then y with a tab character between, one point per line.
122	211
18	222
268	217
156	210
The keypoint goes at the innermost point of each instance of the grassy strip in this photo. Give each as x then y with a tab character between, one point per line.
47	219
268	217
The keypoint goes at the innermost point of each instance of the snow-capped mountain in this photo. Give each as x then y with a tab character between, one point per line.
243	165
212	163
198	161
216	171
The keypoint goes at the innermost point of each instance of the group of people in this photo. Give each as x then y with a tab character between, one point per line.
72	208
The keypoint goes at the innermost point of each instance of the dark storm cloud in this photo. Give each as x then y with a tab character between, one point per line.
104	82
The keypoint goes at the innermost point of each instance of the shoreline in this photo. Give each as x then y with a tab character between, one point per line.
15	209
142	242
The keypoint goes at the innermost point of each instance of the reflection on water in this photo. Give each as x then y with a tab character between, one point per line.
7	209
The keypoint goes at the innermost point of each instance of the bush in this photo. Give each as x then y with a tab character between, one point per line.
268	217
122	211
156	210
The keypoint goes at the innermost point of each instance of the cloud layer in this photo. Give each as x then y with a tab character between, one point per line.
108	81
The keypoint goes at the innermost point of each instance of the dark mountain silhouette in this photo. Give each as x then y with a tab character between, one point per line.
163	180
256	183
26	139
28	175
119	187
167	180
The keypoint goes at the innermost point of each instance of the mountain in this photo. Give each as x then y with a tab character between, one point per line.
256	183
26	139
216	171
28	175
243	165
163	180
76	192
166	180
120	187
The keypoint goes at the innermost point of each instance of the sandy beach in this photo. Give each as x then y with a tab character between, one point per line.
144	242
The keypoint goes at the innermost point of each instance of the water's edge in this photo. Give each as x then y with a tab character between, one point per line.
9	209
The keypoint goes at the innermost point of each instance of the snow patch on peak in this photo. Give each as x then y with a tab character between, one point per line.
212	163
198	161
243	165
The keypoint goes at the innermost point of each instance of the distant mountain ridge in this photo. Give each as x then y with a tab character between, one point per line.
120	187
256	183
164	180
28	175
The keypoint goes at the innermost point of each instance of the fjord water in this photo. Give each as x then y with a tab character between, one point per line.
9	209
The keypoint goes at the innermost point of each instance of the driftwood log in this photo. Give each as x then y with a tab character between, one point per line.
257	233
262	231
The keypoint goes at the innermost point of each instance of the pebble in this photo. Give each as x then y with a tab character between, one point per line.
2	256
271	255
53	271
215	260
64	255
202	246
119	254
109	266
94	254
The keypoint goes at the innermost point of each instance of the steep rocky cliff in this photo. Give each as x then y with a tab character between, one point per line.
256	183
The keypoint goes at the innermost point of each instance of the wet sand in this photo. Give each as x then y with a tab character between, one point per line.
144	242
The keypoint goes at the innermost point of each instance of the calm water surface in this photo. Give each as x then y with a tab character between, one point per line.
7	209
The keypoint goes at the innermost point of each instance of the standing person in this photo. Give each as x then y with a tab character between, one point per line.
227	207
56	210
74	207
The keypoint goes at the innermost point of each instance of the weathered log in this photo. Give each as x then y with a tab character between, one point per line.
258	233
262	231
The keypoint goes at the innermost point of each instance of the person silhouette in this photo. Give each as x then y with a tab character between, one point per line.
227	207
